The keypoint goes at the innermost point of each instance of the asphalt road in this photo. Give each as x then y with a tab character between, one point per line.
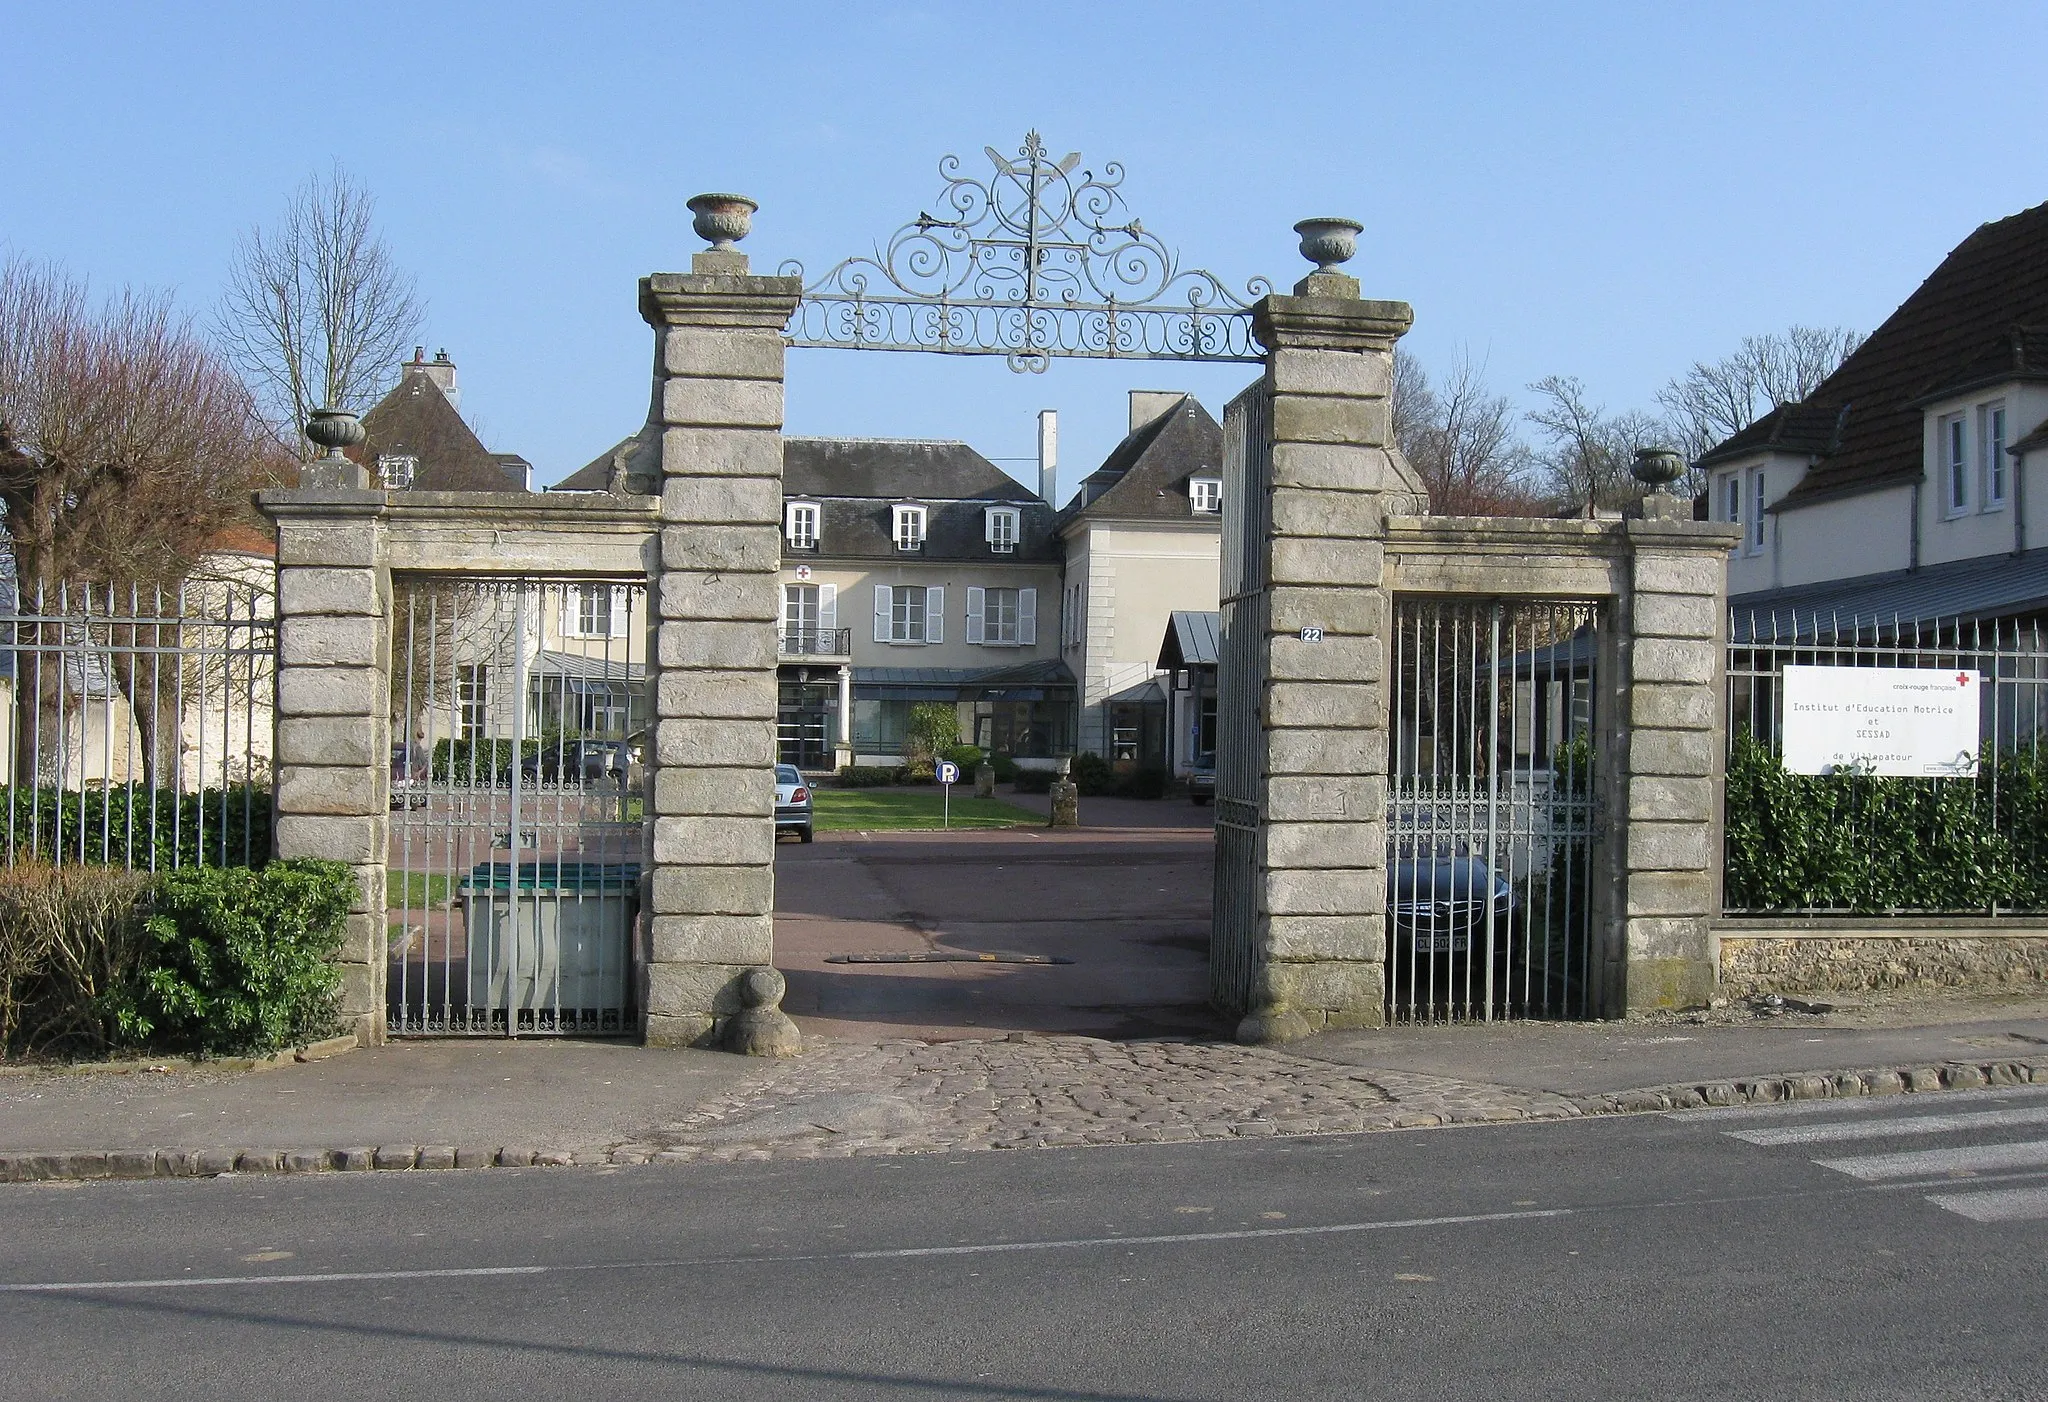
1871	1249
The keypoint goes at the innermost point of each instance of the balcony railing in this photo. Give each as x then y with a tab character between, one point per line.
815	642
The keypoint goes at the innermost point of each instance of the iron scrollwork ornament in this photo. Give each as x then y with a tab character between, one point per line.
1036	260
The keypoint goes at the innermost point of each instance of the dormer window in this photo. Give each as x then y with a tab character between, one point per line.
908	528
396	470
999	528
800	525
1205	495
1955	464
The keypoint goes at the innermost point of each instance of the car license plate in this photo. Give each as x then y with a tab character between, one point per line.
1443	942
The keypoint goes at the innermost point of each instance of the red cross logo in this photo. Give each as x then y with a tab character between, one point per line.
1962	679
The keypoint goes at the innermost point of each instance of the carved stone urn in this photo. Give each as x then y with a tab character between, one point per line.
722	220
1329	242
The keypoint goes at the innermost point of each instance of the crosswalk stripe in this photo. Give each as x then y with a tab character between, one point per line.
1978	1158
1892	1128
1997	1205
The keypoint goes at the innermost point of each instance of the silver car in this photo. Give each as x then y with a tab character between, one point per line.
792	803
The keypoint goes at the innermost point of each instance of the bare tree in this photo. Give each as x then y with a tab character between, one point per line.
316	313
126	447
1589	454
1461	438
1711	402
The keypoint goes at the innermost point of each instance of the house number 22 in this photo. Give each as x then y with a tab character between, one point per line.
1311	635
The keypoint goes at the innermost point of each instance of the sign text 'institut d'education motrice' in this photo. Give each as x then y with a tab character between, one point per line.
1909	721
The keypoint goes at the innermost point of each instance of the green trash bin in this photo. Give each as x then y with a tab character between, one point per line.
552	940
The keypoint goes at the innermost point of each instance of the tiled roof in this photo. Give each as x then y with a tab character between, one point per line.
1145	477
1957	324
417	420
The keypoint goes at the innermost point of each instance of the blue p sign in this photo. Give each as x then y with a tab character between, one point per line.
949	772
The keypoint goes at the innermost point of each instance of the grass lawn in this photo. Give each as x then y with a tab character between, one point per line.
416	890
887	810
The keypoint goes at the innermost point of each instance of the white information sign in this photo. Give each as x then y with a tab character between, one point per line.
1910	721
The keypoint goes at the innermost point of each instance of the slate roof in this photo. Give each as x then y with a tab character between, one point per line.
2037	439
856	483
1145	477
1193	639
1977	319
416	419
1984	587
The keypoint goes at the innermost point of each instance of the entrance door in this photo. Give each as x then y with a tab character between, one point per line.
804	723
1490	809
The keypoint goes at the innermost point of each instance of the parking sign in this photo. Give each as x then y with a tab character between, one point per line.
949	772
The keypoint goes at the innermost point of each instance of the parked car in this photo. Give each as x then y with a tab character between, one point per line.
1438	905
586	762
792	803
1202	781
408	777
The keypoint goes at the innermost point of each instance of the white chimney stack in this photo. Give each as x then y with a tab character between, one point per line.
1049	455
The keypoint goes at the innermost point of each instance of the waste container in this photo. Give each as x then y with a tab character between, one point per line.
552	939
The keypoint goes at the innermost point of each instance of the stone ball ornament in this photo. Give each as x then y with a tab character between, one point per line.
722	220
1658	468
1329	242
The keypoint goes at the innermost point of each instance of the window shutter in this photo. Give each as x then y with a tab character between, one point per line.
622	606
828	608
1027	616
974	614
881	613
571	597
935	615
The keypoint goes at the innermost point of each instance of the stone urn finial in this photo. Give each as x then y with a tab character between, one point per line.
1658	468
722	220
1329	242
333	430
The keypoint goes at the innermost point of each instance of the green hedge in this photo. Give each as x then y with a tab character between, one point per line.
460	760
1874	845
160	828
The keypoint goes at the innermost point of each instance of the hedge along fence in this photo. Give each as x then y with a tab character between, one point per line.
133	826
1859	845
205	960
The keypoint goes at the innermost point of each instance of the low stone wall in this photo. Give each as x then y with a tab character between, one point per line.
1795	959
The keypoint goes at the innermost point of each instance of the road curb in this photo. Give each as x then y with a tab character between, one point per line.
53	1166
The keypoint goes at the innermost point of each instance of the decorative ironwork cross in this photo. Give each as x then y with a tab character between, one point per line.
1036	260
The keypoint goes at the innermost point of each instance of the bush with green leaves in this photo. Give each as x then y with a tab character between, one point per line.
1854	842
1005	767
934	727
1034	780
968	757
866	776
71	944
237	960
1093	775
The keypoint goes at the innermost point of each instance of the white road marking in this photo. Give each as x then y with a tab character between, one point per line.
1887	1129
2004	1205
889	1254
1929	1163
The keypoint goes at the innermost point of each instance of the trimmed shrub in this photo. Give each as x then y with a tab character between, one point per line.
1149	782
1034	780
968	757
1094	775
70	944
132	826
1006	768
866	776
239	960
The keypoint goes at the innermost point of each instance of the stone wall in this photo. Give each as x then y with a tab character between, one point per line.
2016	961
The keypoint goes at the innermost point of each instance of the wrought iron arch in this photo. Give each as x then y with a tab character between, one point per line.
1039	259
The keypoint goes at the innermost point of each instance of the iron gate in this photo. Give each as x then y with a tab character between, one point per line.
1490	810
519	733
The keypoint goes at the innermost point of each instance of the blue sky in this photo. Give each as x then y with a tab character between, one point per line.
1609	191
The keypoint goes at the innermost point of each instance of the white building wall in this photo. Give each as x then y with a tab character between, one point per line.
1841	539
1134	577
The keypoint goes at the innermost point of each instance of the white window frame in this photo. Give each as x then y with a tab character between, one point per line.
910	615
1003	616
907	528
801	524
1731	498
1001	526
582	618
1991	422
1758	480
1205	495
1952	453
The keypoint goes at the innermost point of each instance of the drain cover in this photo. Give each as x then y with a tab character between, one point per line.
947	958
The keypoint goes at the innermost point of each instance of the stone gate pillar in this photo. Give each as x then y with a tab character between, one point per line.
1664	804
1313	650
332	742
710	887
